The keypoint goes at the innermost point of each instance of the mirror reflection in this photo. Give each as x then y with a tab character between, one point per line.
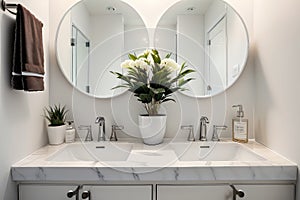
95	36
211	37
91	39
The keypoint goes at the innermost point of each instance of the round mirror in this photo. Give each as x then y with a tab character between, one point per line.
93	38
211	37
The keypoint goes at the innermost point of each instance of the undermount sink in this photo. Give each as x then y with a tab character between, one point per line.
161	154
100	151
214	151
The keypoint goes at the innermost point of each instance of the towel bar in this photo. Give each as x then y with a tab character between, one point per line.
6	6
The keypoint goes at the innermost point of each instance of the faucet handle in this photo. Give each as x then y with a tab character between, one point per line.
215	136
89	135
114	128
191	136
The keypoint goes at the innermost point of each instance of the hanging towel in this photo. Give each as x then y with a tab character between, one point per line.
28	58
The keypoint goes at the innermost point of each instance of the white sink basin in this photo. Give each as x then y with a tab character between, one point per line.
214	151
100	151
182	151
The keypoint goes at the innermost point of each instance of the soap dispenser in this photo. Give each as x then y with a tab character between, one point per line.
70	132
239	126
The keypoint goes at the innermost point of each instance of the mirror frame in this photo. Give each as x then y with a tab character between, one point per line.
57	57
243	65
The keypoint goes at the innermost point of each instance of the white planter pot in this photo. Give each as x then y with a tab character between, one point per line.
152	128
56	134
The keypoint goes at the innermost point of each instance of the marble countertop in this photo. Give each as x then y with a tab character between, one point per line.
37	167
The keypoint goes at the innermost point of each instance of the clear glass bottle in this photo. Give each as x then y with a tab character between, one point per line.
239	126
70	132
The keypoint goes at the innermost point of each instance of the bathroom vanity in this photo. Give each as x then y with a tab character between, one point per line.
172	170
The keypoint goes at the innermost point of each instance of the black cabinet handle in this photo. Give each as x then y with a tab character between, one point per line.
239	193
72	193
86	194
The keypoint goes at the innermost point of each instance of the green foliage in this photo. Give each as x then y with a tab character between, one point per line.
56	115
156	83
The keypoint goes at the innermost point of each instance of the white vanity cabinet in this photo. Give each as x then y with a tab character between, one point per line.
96	192
225	192
45	192
161	192
118	192
265	192
193	192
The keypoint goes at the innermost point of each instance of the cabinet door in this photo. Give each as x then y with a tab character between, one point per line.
45	192
194	192
119	192
267	192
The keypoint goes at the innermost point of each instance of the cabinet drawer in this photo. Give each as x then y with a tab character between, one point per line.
119	192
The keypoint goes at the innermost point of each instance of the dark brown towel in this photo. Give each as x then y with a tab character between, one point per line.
28	61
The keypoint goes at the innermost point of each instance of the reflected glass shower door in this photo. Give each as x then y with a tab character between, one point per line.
217	52
80	60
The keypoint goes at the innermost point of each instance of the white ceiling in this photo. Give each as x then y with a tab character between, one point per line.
180	8
99	7
131	17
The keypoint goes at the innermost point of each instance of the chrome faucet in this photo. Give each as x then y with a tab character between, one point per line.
190	128
101	133
89	135
114	129
203	128
215	136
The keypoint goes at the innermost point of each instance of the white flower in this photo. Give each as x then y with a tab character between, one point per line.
127	63
147	51
141	63
170	63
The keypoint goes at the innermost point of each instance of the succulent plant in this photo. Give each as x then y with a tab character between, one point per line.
56	115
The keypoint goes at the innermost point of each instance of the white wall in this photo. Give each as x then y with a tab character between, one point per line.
191	49
21	121
124	109
277	42
107	36
81	18
135	39
213	14
63	45
237	48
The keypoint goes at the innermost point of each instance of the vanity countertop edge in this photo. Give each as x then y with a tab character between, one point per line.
35	168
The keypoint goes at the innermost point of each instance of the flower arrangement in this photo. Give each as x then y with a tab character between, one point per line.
152	79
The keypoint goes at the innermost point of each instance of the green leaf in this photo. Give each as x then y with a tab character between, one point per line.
181	82
169	99
56	115
132	57
155	56
155	52
157	90
168	55
145	98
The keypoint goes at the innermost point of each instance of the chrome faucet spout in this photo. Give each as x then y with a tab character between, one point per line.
101	133
203	128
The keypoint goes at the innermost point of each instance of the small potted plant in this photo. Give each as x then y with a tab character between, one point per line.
56	115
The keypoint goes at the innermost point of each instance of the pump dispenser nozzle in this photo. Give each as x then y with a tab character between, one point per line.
240	112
